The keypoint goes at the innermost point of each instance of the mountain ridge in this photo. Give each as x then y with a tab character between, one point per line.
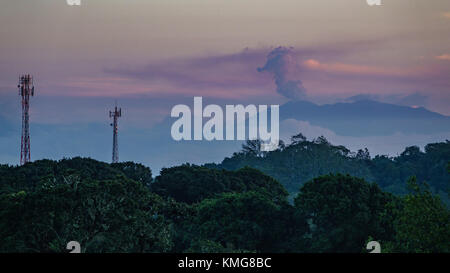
367	117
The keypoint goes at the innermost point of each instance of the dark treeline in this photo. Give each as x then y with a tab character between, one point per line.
120	208
302	160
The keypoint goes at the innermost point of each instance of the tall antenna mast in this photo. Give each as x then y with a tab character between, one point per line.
115	115
26	89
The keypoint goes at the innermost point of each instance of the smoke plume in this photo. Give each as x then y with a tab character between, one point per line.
281	63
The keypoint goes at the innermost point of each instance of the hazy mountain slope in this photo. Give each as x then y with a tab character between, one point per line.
367	118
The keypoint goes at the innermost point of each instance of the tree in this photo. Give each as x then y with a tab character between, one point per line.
342	212
191	184
252	147
363	154
322	140
299	138
281	145
422	224
104	216
304	160
248	221
411	152
135	171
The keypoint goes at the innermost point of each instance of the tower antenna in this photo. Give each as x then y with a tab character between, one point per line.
117	113
26	89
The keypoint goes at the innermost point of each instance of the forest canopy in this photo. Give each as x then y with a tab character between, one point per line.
338	202
302	160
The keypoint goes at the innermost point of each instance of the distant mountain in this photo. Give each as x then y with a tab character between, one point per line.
367	118
156	148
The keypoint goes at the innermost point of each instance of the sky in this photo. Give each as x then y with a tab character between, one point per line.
153	54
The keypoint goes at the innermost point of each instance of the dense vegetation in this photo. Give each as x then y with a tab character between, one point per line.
302	160
191	184
120	208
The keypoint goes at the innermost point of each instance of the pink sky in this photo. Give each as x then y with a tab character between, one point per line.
172	50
